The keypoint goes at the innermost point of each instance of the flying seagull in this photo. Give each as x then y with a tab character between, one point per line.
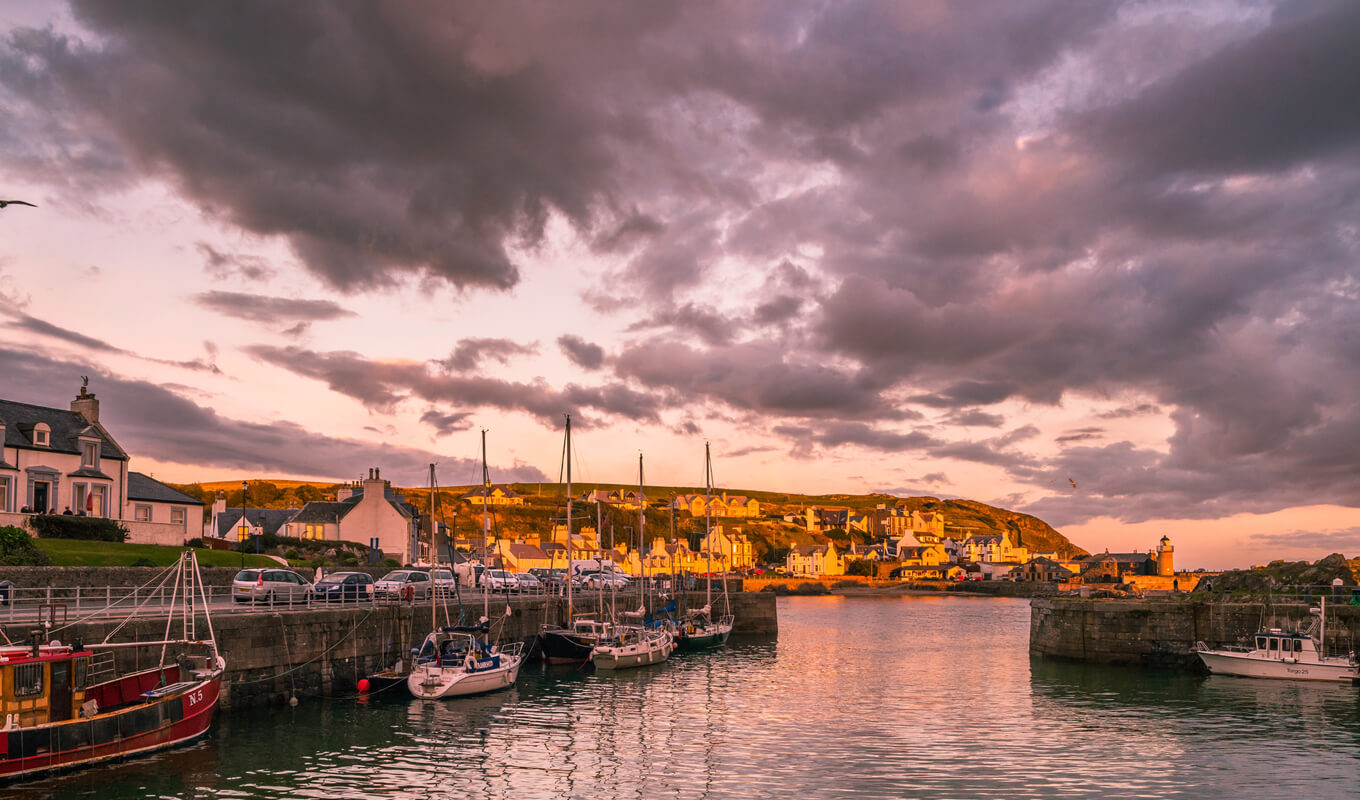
1074	483
4	203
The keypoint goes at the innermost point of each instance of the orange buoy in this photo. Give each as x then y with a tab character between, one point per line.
363	684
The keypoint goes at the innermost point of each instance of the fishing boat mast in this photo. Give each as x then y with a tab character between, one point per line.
434	561
486	523
642	534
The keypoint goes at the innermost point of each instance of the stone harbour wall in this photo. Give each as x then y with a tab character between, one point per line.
1164	633
272	656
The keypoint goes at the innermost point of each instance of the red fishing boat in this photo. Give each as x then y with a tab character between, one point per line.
63	706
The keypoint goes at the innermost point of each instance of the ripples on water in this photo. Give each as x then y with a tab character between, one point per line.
929	697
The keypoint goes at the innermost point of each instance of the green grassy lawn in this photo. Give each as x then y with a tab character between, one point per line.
81	553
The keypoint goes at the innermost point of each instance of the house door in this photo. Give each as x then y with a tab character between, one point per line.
40	492
59	702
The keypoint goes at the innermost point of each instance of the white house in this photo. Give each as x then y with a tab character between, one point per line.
370	514
56	460
149	500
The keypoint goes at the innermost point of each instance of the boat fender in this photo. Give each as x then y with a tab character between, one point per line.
471	662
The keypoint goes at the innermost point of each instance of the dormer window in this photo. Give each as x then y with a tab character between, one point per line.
89	454
42	435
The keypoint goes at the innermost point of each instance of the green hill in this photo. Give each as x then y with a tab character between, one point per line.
770	533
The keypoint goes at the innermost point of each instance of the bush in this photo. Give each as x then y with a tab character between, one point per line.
292	554
17	549
196	542
143	562
349	559
60	526
862	567
391	563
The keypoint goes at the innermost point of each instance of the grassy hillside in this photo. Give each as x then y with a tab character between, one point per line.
771	535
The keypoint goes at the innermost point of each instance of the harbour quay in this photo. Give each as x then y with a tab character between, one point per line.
273	655
1163	633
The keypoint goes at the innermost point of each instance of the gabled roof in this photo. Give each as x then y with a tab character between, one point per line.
143	487
268	519
525	551
324	511
66	428
809	549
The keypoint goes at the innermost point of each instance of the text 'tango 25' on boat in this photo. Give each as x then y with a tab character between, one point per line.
1284	655
64	707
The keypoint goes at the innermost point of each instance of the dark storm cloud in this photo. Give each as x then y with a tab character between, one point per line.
270	310
468	354
1080	435
586	355
30	324
150	421
223	266
969	203
383	385
977	419
445	424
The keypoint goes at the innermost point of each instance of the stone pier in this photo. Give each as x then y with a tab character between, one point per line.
322	652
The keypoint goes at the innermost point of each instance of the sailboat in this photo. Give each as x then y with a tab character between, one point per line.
700	630
459	660
574	642
635	645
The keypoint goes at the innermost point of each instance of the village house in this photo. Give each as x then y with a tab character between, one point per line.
926	527
931	555
934	572
1041	569
370	513
732	548
56	460
723	505
522	557
495	496
992	549
819	519
149	500
813	560
623	500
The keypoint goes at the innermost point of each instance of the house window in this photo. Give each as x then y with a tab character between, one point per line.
89	454
177	515
4	494
242	531
314	530
78	493
142	513
97	500
42	435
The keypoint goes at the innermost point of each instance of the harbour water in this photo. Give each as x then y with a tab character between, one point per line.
912	697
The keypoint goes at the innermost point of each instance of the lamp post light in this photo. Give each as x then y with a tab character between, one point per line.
245	525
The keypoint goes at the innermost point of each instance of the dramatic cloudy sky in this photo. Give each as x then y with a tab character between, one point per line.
984	250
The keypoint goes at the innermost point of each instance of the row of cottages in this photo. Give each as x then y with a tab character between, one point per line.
368	512
64	461
494	496
731	551
724	505
922	525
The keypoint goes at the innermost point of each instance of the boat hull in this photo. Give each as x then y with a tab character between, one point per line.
430	682
128	732
635	654
388	683
703	641
1242	665
561	646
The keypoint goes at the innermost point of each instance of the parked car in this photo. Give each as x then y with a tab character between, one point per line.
342	586
553	580
525	582
603	580
444	582
270	586
396	584
499	580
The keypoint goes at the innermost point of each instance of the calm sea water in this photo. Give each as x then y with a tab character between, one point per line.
917	697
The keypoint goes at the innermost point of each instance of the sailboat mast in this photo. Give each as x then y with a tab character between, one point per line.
642	531
434	560
708	523
570	564
486	523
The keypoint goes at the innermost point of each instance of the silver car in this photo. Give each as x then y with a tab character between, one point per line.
270	586
525	582
403	583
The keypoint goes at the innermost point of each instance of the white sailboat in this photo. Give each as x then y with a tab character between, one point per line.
459	660
700	630
635	645
1297	656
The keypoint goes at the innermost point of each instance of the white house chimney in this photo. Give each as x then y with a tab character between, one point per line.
86	406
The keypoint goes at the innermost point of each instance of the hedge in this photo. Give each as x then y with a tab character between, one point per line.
61	526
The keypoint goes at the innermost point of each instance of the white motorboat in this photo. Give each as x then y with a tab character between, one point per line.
1287	655
633	646
457	662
